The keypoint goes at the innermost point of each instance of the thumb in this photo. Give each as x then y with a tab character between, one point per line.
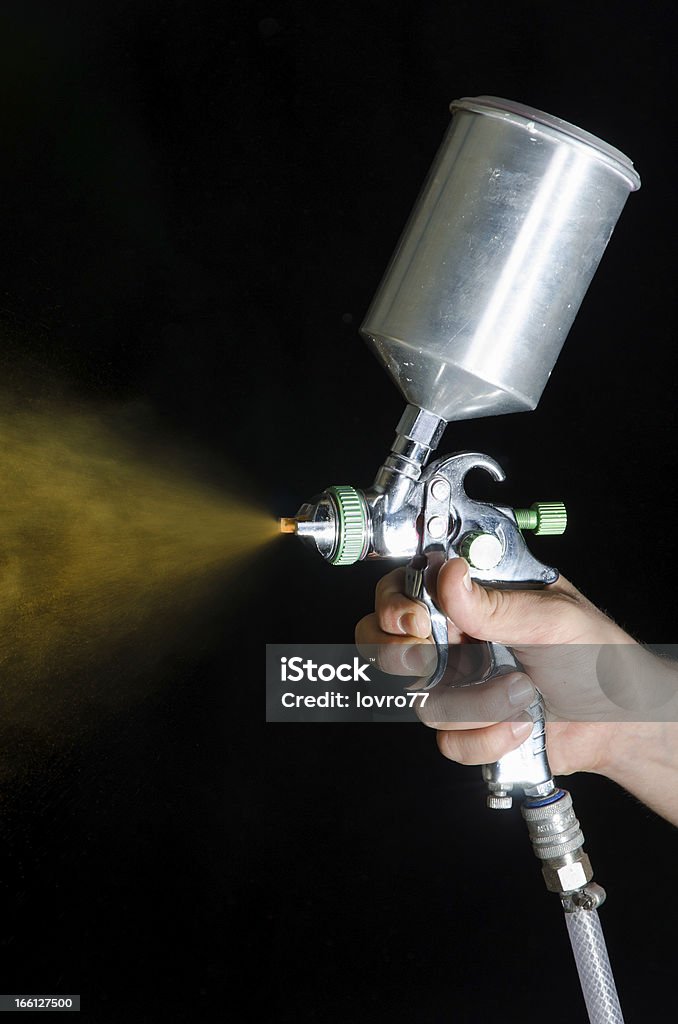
508	617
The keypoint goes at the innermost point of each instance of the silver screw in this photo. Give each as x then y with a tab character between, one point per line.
437	526
440	489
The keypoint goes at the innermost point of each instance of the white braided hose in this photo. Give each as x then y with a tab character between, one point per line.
593	965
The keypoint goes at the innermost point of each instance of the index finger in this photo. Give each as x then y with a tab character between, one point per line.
396	613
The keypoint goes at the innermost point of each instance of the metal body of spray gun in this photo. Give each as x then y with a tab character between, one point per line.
422	512
468	320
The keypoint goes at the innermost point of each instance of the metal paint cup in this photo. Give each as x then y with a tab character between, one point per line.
495	259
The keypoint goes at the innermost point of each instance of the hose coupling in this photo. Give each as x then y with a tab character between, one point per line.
558	842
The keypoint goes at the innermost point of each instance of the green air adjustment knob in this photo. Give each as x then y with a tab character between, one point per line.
544	518
352	527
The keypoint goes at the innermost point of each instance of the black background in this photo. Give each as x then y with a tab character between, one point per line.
198	201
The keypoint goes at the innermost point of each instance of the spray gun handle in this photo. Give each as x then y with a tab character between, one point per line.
528	765
490	538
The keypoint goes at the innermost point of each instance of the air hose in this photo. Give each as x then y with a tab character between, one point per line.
558	842
593	965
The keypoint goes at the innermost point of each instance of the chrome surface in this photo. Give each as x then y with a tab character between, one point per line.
527	766
423	513
317	525
558	841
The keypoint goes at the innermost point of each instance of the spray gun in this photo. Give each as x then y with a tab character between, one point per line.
469	320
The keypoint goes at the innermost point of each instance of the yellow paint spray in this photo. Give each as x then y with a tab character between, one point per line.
100	542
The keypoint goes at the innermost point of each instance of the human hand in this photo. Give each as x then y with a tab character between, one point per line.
567	647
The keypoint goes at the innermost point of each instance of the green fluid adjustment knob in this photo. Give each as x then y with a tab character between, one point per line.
352	525
544	518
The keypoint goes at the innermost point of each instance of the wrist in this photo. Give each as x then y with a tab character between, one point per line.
644	689
630	750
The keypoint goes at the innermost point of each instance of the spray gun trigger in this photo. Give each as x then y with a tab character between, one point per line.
415	587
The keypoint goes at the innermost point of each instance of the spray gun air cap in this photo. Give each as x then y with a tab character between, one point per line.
336	524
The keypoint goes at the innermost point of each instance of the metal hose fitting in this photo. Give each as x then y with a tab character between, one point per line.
558	841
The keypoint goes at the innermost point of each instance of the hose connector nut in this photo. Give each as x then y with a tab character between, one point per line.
567	874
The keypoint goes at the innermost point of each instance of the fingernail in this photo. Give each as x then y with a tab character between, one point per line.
467	578
521	692
521	730
409	624
420	659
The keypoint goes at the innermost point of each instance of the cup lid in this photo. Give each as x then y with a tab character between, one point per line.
529	118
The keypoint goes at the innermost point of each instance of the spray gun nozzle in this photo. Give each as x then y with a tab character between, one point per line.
334	523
